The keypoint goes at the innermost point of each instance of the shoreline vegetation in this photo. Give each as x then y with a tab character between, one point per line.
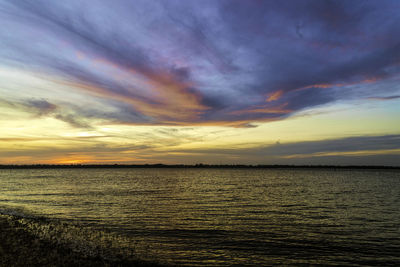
21	247
183	166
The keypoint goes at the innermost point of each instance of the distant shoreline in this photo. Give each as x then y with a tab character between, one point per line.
195	166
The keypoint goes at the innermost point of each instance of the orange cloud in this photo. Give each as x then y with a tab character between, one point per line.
275	95
329	85
158	95
174	101
265	110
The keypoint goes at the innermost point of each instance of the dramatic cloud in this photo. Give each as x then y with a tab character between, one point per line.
191	62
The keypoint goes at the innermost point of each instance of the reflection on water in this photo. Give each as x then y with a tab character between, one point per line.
222	216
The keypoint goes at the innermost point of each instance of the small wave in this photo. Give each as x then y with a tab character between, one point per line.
16	213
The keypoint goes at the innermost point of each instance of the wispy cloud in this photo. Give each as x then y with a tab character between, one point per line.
344	150
383	98
43	108
358	144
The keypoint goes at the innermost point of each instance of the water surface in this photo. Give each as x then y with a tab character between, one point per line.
222	216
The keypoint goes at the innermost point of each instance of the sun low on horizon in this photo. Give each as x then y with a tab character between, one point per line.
186	82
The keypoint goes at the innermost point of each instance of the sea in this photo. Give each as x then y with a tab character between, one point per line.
214	217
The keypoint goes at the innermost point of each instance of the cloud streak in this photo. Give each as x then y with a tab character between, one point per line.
365	150
342	150
43	108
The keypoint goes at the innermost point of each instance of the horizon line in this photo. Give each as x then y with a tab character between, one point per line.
198	165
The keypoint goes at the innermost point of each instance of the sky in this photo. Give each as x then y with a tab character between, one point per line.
211	81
